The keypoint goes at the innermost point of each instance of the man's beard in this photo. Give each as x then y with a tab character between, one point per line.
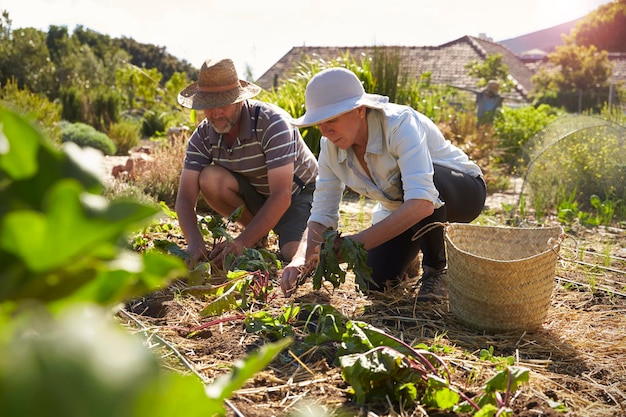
224	127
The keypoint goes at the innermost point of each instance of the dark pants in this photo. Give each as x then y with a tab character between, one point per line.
292	224
464	198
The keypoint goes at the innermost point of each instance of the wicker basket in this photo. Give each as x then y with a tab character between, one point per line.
499	278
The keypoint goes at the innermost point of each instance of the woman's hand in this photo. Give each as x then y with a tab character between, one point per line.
298	271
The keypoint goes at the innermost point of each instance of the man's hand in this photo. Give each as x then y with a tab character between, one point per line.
222	249
197	253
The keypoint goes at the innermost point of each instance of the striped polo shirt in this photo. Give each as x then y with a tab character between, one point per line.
265	142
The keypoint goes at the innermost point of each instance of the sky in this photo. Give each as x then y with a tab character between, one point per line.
255	34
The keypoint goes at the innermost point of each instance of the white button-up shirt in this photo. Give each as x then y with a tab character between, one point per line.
402	146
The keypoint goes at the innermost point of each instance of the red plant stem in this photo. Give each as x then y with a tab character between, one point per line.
208	324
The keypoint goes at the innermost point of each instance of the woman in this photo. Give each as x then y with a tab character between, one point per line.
396	156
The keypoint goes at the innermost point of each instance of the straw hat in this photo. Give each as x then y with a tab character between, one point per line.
218	85
331	93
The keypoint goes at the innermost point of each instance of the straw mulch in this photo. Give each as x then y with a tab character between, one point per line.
577	357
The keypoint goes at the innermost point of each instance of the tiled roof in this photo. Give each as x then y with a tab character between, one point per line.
446	62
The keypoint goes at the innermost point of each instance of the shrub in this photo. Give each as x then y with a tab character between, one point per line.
577	155
160	177
72	104
126	135
35	107
515	126
154	124
84	135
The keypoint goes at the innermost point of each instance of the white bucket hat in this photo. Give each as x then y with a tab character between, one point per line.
331	93
218	85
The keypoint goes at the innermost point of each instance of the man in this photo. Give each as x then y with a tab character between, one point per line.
245	152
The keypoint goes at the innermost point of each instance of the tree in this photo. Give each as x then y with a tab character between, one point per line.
492	68
27	61
576	78
605	28
151	56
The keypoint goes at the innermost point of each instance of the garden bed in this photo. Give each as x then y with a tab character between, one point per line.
575	359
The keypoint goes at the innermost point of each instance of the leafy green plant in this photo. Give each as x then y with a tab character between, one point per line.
274	328
246	276
155	123
64	266
380	366
605	210
334	248
86	136
125	135
567	209
515	126
487	355
37	108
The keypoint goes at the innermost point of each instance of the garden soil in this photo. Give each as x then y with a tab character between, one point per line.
577	358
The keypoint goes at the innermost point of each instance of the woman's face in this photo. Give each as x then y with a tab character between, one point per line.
345	130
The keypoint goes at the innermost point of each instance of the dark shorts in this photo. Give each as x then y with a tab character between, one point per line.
291	226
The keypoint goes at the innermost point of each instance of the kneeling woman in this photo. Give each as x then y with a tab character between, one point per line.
397	157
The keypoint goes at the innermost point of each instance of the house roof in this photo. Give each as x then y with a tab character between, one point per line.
446	63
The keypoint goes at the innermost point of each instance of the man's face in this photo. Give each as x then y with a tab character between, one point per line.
223	119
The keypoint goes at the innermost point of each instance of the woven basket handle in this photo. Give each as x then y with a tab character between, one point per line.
556	246
428	228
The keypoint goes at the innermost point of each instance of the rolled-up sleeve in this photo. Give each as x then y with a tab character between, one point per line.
416	167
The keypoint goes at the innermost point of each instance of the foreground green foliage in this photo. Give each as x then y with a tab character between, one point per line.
65	265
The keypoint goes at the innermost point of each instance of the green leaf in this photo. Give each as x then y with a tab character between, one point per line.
236	215
328	266
74	224
168	212
352	253
327	321
488	410
500	381
172	248
19	144
355	255
129	276
275	328
360	337
373	375
439	395
355	338
226	299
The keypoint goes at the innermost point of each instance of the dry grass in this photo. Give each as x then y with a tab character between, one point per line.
577	358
